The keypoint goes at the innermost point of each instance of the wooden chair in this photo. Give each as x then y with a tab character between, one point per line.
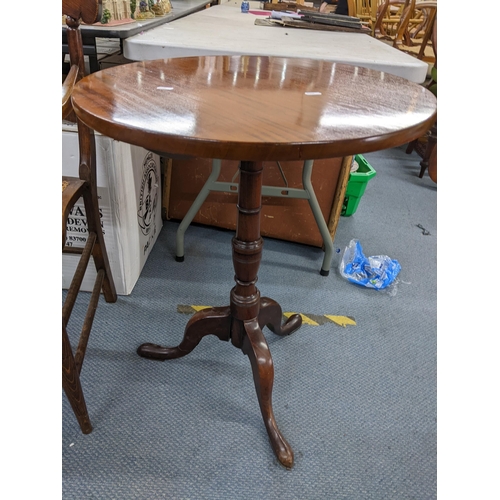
362	9
352	8
426	147
412	27
415	36
393	17
366	11
75	188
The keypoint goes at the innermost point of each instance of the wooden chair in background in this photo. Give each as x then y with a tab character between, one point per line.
363	9
426	146
366	11
411	27
415	36
75	188
393	17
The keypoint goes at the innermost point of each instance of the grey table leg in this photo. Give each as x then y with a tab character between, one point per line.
307	193
320	221
210	185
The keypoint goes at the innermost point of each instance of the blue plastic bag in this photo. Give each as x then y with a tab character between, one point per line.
376	272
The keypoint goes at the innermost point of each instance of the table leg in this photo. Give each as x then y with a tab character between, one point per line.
242	321
318	216
307	193
210	185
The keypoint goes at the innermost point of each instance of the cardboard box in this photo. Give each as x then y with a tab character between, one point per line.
129	189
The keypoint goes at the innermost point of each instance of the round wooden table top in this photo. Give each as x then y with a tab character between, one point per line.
253	107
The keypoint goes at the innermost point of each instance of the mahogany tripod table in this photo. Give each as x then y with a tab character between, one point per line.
252	109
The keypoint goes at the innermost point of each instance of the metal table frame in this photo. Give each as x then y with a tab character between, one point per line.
307	193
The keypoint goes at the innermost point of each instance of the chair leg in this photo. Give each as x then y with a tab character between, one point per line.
411	146
99	253
423	167
433	164
431	143
72	386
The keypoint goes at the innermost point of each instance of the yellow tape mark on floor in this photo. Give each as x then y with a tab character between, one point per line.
341	320
305	319
313	319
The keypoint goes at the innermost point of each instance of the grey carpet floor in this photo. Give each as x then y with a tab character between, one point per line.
356	403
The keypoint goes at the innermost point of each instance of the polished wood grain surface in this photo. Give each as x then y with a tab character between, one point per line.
254	107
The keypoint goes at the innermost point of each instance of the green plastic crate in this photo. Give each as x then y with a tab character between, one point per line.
357	185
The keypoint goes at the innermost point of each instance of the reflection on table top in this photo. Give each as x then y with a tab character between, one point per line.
253	107
223	29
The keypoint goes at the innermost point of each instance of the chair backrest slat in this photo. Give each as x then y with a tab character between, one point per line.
76	11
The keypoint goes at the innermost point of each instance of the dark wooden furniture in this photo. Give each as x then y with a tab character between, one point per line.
414	34
393	17
426	147
73	189
252	109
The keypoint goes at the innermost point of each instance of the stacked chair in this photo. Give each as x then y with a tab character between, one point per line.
411	27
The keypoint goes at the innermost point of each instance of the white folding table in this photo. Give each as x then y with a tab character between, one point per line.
224	29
